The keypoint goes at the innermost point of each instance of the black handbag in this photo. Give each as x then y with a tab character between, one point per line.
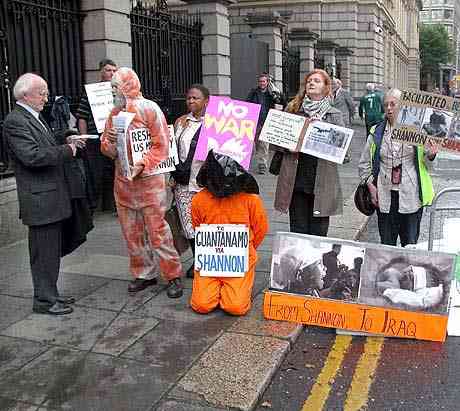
275	164
183	170
363	200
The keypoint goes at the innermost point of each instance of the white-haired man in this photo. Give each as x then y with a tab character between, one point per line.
343	102
371	107
43	193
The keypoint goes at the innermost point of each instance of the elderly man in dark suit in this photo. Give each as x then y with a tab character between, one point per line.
43	194
343	102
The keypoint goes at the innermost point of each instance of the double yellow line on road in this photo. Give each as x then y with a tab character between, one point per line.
357	395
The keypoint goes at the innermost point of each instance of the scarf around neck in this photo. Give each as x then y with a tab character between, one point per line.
316	109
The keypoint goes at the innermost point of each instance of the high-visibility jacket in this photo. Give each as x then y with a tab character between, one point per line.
425	185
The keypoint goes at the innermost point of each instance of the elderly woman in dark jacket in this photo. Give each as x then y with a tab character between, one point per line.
309	187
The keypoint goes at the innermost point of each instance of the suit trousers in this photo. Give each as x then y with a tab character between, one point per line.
45	243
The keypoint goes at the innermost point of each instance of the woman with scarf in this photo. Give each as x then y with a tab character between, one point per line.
183	179
309	187
141	196
229	196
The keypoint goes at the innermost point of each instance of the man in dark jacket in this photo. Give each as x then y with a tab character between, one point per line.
268	98
99	169
44	201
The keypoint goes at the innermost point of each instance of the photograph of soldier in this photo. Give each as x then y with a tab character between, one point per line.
410	116
436	123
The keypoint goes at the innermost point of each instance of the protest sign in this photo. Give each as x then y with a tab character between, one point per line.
360	287
425	117
283	129
141	142
327	141
229	128
296	133
100	99
222	250
121	123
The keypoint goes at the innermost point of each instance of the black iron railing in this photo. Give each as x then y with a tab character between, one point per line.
166	50
41	36
291	71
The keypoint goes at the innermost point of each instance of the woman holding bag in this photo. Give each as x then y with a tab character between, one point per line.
309	187
183	180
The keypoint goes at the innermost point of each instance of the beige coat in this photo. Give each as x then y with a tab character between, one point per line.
327	191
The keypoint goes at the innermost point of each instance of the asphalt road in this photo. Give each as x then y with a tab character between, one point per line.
326	371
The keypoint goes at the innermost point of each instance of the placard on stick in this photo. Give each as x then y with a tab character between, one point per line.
100	99
222	250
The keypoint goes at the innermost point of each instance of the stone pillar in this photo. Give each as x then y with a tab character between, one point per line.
106	34
305	40
343	56
267	27
216	43
326	49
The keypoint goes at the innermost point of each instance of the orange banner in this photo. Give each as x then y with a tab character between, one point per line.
355	317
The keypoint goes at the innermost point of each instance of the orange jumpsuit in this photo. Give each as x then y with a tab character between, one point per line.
141	203
232	294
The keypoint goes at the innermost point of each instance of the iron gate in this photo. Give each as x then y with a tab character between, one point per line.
166	51
41	36
291	71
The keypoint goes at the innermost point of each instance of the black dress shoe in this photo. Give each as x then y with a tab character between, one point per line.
175	288
140	284
191	271
66	299
56	309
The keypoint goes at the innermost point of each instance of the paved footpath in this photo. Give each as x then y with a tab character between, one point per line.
141	352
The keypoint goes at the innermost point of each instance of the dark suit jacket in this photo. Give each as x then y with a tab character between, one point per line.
39	168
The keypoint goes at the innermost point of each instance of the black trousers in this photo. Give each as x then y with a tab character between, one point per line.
394	224
301	218
45	242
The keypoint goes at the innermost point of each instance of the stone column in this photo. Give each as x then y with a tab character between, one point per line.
305	40
216	43
267	27
326	49
343	56
106	34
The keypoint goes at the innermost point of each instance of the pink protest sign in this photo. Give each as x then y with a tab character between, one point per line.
229	128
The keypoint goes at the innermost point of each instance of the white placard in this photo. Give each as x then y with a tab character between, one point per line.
327	141
100	99
141	142
283	129
121	123
222	250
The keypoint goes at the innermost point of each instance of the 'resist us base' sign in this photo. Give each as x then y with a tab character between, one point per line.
222	250
370	288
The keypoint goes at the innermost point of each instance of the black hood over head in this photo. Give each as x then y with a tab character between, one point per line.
223	176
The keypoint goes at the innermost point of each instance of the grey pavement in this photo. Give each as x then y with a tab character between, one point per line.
142	352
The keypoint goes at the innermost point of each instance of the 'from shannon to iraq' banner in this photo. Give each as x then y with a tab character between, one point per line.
229	128
222	250
100	99
427	117
360	287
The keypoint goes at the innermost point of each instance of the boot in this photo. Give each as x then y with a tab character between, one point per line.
175	288
140	284
190	272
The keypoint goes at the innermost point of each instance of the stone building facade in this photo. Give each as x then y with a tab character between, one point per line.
359	40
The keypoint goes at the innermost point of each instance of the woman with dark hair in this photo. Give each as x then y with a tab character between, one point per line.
183	180
229	196
309	187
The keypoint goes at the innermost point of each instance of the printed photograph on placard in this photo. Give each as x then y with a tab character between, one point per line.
407	280
410	116
436	123
311	266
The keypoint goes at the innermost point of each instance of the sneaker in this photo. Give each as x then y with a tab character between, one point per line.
140	284
175	288
262	169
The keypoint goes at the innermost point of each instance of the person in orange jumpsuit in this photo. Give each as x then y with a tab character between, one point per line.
141	196
230	196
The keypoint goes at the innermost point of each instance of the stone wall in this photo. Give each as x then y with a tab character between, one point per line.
11	228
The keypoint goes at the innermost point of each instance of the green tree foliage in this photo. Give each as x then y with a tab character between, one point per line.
435	49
